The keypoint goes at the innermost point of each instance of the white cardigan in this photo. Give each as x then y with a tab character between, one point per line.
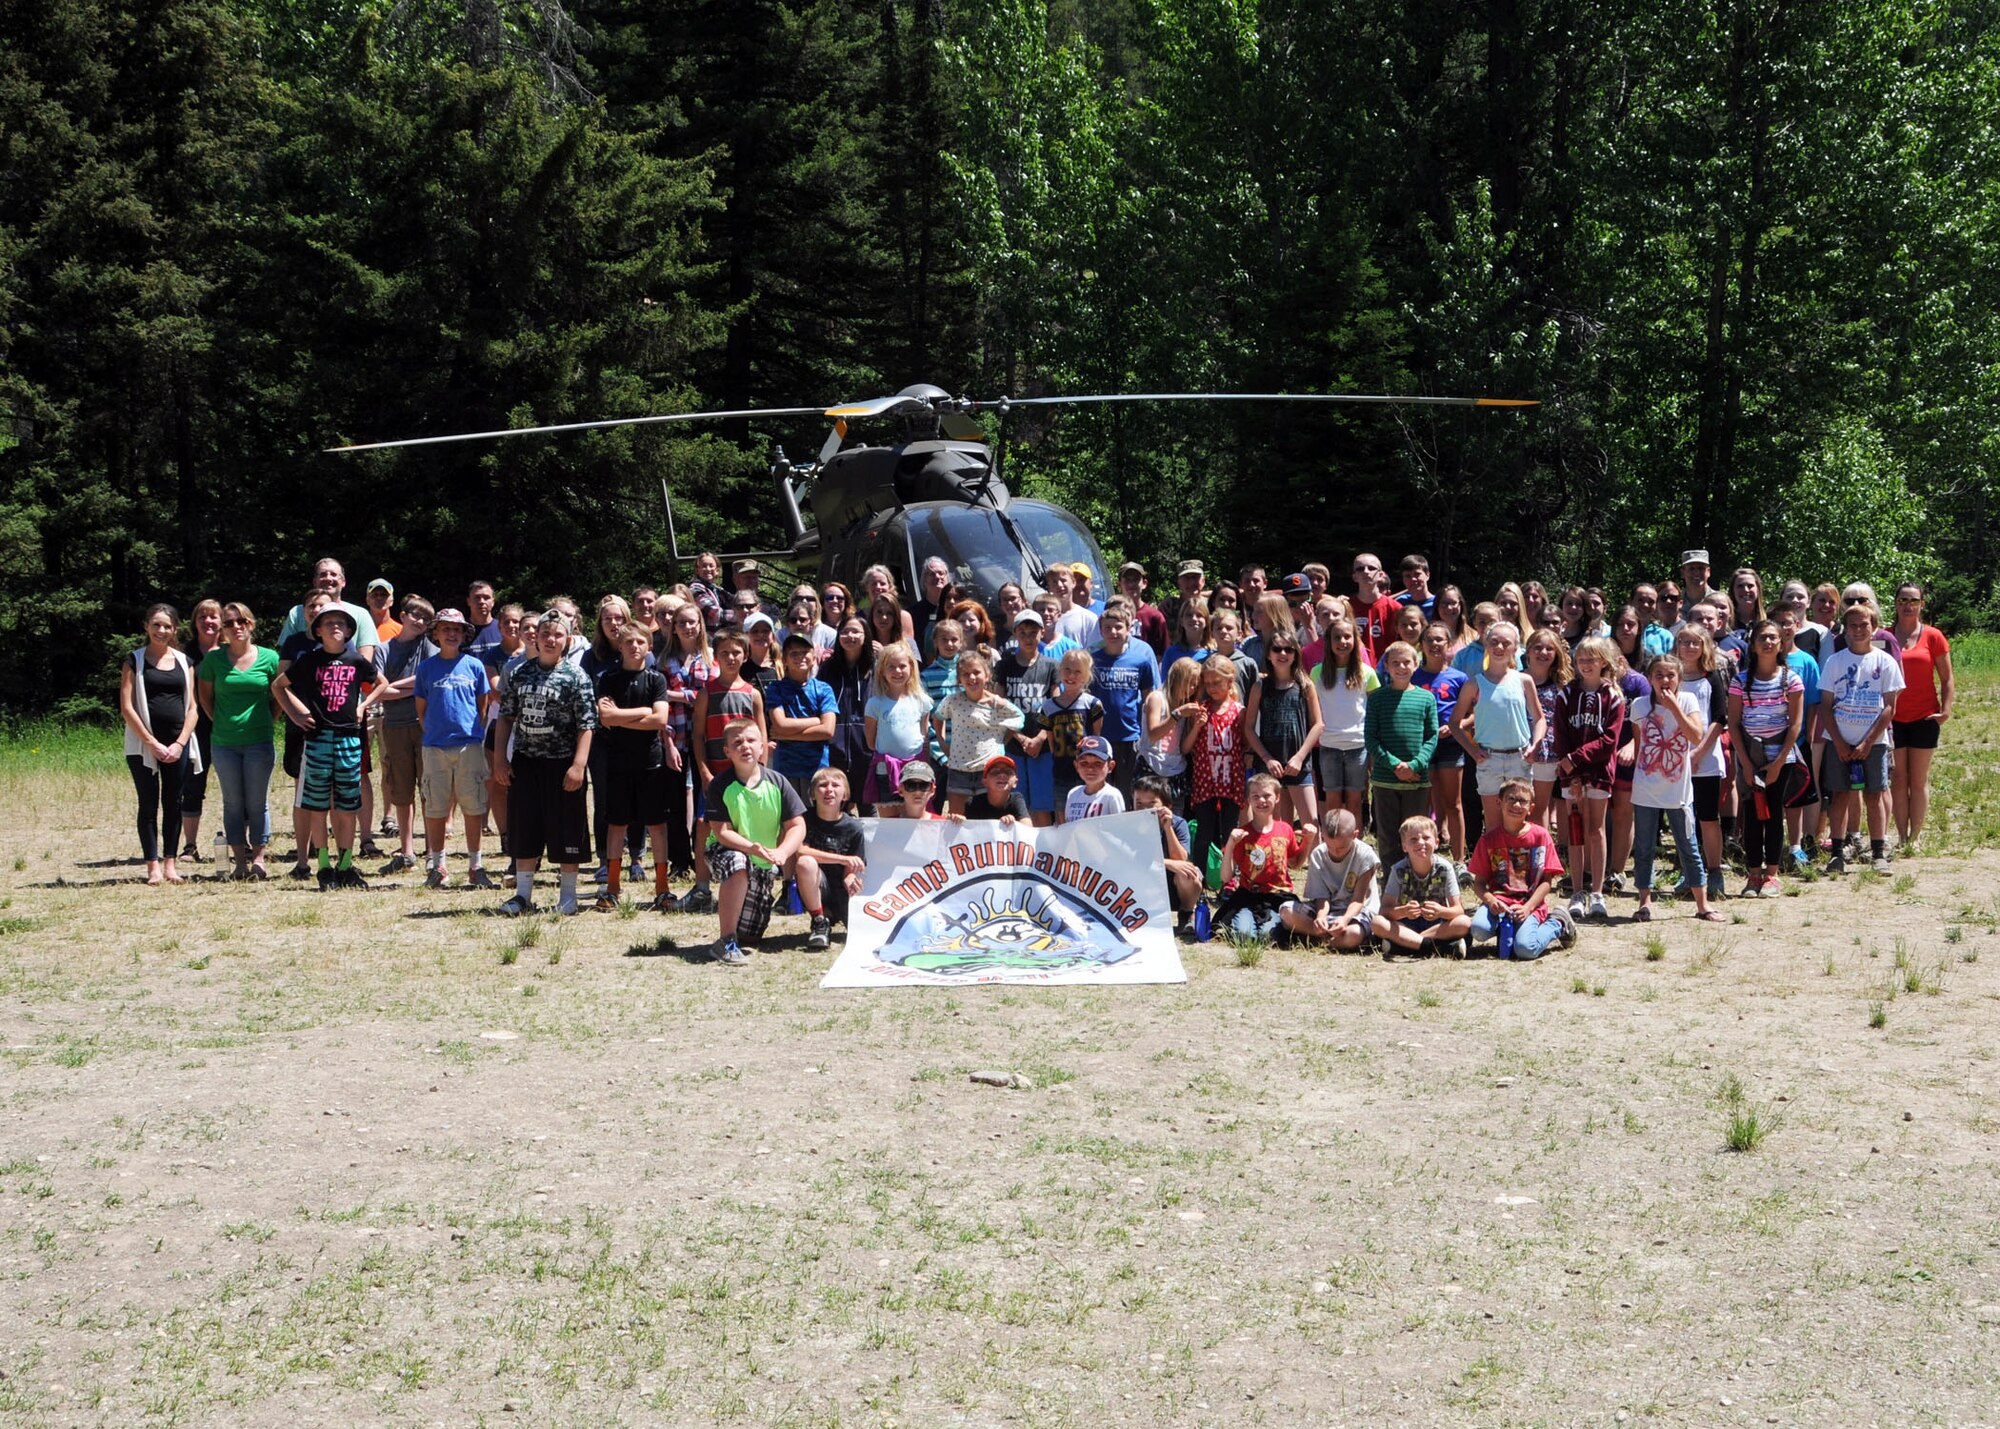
191	753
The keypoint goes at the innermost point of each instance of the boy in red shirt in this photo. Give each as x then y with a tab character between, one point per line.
1260	856
1514	868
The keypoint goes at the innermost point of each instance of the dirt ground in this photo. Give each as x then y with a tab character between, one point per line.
269	1156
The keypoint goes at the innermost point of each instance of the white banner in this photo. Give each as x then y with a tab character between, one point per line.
944	904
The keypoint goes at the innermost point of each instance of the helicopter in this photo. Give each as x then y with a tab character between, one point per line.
935	490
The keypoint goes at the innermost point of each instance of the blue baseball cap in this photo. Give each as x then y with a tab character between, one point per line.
1094	746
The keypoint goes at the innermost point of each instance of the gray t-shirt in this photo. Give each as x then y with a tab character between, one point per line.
398	660
1336	881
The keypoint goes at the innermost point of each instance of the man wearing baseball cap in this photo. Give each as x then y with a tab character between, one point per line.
1096	795
381	599
1148	621
1694	577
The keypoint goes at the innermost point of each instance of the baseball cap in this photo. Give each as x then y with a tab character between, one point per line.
1094	745
741	566
449	616
381	583
917	772
1695	557
1297	583
1190	568
758	618
999	761
551	617
1080	568
1027	616
1132	566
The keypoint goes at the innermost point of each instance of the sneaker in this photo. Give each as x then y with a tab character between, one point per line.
566	908
1567	937
1880	863
1464	877
370	849
821	934
1853	847
730	954
325	876
1579	905
665	903
190	854
697	900
350	877
1800	860
1564	886
516	906
435	878
637	873
600	874
480	878
389	827
1597	908
606	903
398	863
1615	883
1770	889
1753	888
300	873
1838	863
1643	913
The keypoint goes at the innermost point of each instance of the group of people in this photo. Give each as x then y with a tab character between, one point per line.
1268	727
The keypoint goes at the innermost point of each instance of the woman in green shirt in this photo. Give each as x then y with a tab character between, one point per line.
234	686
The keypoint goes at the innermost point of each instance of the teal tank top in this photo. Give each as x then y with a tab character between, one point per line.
1501	719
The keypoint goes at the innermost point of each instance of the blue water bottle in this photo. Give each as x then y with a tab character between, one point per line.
1503	935
1204	922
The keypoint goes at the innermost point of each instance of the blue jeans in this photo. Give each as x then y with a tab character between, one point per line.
1531	939
1646	841
1252	923
244	772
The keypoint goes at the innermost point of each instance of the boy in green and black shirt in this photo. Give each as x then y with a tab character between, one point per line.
756	822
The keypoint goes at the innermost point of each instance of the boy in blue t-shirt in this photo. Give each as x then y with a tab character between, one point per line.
1122	675
801	709
451	693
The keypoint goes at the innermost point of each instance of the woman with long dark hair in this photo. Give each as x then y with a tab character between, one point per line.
156	697
850	669
205	624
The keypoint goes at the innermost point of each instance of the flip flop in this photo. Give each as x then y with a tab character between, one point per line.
1712	916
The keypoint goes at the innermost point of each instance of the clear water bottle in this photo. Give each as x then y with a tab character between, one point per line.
218	853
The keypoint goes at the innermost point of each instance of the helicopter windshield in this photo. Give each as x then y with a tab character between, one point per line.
970	540
1056	536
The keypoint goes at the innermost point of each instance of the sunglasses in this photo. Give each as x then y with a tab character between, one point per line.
235	624
1283	650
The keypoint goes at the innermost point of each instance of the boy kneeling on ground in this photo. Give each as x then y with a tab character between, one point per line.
756	822
1514	868
1340	903
1420	900
828	868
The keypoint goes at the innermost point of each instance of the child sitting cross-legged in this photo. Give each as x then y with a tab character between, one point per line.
1340	903
1420	900
1514	868
1151	793
1260	856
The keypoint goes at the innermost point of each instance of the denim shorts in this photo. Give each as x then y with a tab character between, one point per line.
1500	766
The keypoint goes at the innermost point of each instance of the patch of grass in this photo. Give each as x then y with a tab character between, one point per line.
1730	1090
16	924
1878	1015
1427	997
509	955
1748	1127
1579	984
528	934
1249	951
1656	947
198	964
1905	883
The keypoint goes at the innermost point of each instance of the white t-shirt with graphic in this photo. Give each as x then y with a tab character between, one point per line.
1662	775
1859	686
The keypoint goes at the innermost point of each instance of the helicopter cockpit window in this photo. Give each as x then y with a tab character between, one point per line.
970	540
1056	536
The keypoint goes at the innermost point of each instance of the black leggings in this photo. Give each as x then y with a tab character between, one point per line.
159	803
1764	836
1214	822
680	835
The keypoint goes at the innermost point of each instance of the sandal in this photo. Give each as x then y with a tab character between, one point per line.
1712	915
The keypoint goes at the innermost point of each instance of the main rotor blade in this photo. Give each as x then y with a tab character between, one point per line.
1383	399
875	406
583	427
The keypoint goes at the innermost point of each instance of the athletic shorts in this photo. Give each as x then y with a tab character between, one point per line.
1544	773
402	746
295	749
543	818
455	778
1342	771
1497	768
1038	780
1909	734
632	798
966	783
760	892
1450	754
331	777
1834	777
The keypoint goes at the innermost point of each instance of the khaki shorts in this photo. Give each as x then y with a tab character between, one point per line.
455	777
400	746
